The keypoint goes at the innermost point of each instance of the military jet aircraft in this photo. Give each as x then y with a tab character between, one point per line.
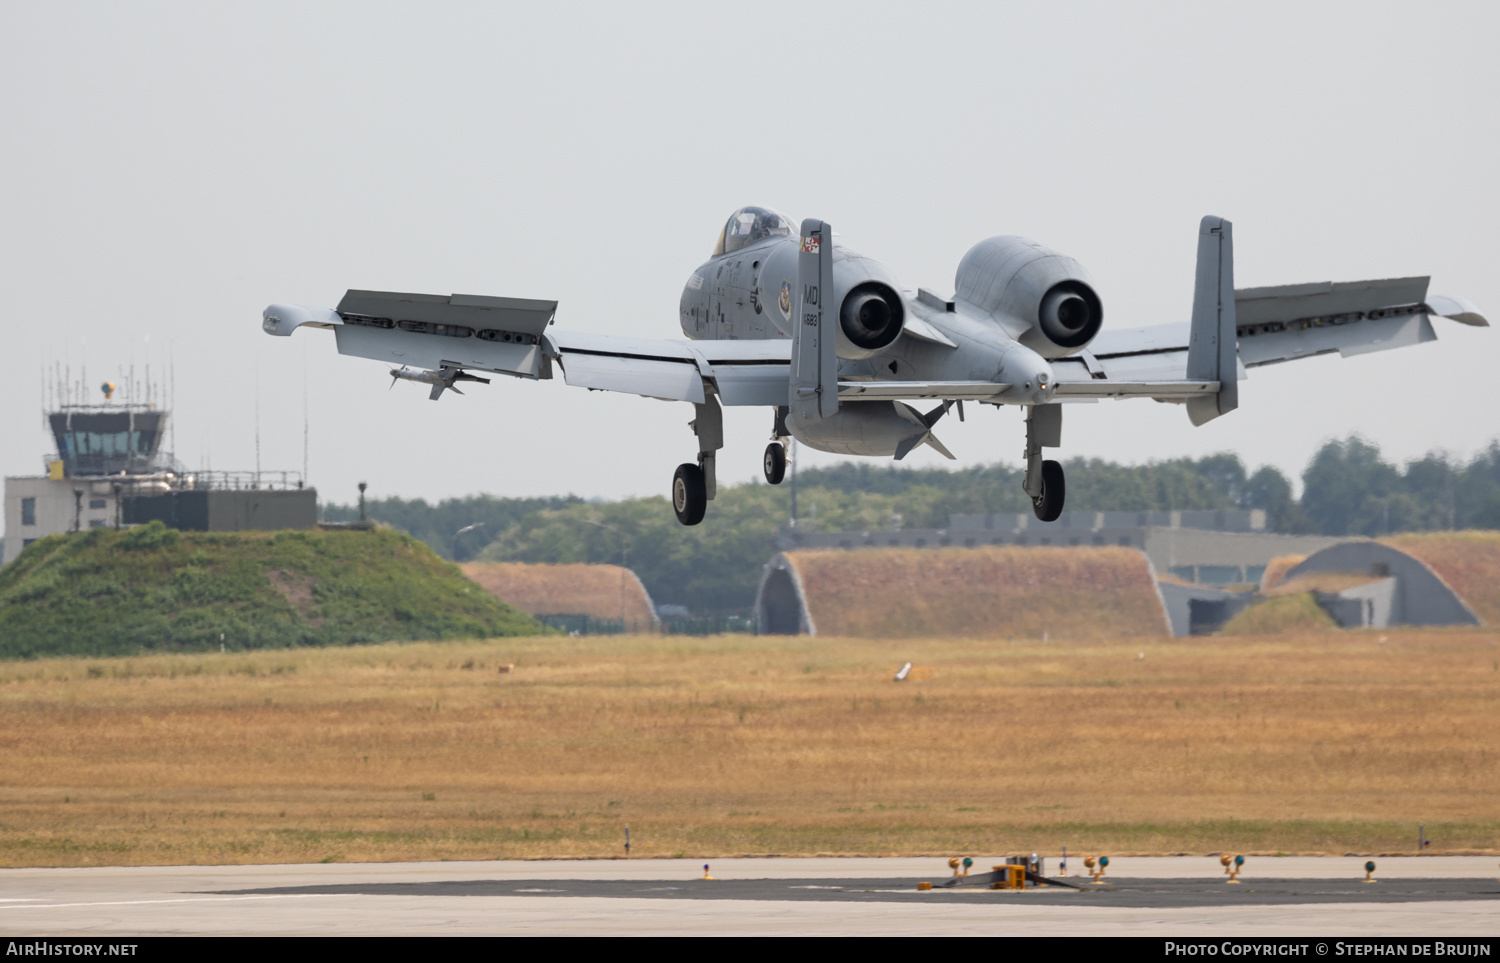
783	316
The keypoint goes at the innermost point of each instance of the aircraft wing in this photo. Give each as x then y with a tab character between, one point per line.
1272	325
514	336
742	372
511	336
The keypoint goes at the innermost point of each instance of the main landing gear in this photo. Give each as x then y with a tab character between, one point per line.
775	463
1044	480
1049	504
693	486
689	494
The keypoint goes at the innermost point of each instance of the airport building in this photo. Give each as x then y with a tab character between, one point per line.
1378	585
108	470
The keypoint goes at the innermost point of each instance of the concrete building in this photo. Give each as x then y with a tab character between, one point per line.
1206	547
957	593
1398	589
109	471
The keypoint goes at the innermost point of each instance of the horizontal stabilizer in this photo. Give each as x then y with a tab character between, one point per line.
921	390
1178	390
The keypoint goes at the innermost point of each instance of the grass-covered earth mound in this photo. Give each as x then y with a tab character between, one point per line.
118	592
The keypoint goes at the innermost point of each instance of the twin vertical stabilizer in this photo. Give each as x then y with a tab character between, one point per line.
1213	350
815	367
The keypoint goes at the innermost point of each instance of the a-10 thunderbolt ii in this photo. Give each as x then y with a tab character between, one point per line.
842	354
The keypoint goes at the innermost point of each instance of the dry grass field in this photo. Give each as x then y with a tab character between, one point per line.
1326	742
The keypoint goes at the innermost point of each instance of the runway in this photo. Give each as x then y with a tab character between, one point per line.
1446	897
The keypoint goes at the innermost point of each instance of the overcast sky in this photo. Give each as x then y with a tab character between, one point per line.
168	170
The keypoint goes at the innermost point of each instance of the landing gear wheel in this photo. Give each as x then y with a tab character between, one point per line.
1049	504
775	462
689	494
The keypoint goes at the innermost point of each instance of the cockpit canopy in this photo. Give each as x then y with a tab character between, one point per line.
750	224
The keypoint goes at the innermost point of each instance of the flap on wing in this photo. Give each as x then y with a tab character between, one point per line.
920	390
667	379
477	312
752	384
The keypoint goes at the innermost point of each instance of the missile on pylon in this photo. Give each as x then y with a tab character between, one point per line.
441	380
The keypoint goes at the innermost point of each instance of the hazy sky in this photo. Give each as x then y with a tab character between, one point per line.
170	169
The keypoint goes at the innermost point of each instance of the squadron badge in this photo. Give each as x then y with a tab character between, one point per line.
784	301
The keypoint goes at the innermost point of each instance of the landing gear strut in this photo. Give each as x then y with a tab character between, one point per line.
1044	479
775	461
693	486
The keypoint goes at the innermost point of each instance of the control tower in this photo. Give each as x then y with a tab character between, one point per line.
110	439
109	471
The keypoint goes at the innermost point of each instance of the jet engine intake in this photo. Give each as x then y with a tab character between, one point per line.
1042	298
870	312
870	320
1070	314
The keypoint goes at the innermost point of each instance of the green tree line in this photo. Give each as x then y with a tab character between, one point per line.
714	568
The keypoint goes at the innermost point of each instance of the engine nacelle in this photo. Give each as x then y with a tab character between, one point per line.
871	314
1043	296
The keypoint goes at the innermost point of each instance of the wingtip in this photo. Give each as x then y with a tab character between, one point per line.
1461	310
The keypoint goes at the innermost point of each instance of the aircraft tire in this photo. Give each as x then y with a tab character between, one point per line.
775	462
1049	504
689	494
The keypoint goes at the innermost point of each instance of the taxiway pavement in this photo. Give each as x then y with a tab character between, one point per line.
1175	896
